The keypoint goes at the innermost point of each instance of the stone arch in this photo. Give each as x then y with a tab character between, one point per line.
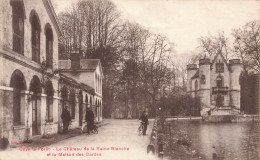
35	85
64	93
49	45
219	81
34	18
49	91
18	83
48	31
17	80
35	35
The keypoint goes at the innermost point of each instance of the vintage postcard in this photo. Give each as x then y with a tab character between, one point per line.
129	79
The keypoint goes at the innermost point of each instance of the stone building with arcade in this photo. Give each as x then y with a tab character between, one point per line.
28	58
33	91
86	75
216	82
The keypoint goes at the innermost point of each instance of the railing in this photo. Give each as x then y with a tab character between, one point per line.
220	90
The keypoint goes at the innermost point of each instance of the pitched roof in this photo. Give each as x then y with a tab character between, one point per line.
196	75
72	81
89	63
225	61
85	64
53	16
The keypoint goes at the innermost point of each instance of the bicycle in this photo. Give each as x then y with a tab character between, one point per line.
93	130
140	128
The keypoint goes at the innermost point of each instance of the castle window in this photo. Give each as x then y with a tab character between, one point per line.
18	26
219	101
18	84
219	67
219	81
72	103
202	79
49	45
35	37
196	87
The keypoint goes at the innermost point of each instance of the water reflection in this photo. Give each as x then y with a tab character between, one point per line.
227	140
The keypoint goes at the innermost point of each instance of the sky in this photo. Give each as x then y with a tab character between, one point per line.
184	21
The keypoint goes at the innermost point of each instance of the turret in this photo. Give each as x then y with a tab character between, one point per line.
235	71
191	70
204	81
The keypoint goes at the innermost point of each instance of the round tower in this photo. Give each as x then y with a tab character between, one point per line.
235	71
191	70
204	82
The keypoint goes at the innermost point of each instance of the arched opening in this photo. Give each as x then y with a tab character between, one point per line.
17	83
196	87
49	91
18	16
35	87
90	102
202	79
96	107
219	81
99	110
86	101
49	45
72	103
219	101
35	36
80	97
64	97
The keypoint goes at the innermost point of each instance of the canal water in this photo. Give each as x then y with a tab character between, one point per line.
229	141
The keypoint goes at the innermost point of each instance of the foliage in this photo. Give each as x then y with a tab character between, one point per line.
182	105
249	94
247	46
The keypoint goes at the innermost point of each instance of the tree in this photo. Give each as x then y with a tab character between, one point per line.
247	46
211	45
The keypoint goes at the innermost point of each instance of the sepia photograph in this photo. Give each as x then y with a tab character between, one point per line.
129	79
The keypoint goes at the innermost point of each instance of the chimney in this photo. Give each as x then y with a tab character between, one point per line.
75	60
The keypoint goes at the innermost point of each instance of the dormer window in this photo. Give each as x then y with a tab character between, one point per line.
219	67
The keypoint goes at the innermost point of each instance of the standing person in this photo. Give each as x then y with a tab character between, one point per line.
144	119
89	119
65	116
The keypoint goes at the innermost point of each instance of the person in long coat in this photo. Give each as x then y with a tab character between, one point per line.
66	118
89	119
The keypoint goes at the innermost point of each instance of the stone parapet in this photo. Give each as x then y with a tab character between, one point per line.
192	67
234	61
204	61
